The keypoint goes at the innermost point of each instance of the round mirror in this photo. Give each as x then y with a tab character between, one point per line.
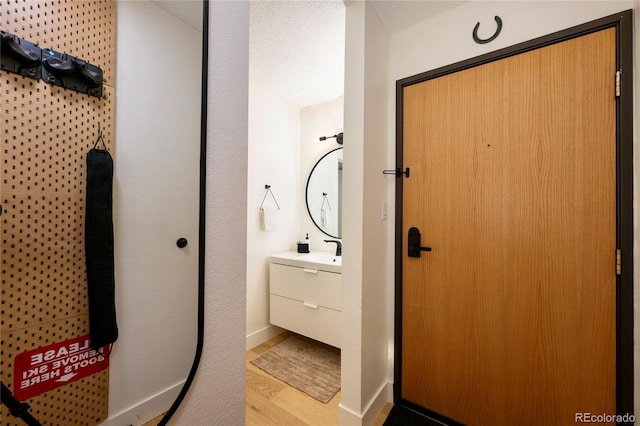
324	193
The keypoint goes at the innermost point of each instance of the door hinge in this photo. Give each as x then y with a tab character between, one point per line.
618	75
618	262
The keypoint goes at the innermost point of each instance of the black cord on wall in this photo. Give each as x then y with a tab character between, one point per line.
17	408
201	220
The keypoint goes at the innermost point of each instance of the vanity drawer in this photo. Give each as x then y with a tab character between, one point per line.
309	285
316	322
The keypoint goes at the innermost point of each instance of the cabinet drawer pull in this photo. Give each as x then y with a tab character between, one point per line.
310	271
310	305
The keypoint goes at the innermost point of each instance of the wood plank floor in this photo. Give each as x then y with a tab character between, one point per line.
154	422
272	402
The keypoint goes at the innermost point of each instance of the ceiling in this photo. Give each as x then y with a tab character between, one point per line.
399	14
297	49
297	46
189	11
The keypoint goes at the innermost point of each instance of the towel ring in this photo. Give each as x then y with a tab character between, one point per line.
268	191
325	200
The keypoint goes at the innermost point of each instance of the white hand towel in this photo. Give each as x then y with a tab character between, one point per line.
324	219
269	217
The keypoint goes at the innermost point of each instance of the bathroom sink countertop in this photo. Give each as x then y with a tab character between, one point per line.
315	260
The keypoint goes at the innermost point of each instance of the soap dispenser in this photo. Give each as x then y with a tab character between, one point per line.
303	247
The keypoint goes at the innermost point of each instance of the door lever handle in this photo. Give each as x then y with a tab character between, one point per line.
414	248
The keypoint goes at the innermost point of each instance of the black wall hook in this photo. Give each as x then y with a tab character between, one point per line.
398	172
100	139
490	39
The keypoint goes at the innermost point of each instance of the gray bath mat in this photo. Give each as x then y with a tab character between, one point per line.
306	365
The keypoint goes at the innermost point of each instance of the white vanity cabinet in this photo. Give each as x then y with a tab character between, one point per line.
306	299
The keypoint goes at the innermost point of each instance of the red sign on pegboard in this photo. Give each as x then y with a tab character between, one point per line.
40	370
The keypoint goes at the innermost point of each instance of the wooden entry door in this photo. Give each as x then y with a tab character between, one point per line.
511	318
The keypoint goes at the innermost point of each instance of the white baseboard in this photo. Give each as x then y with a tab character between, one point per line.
259	337
377	403
146	410
348	417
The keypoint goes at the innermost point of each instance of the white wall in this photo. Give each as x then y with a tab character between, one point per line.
378	242
349	410
323	119
155	202
367	267
217	395
446	39
274	151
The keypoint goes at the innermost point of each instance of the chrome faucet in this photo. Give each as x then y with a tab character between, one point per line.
338	246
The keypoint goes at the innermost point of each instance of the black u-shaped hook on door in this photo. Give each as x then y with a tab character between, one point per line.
490	39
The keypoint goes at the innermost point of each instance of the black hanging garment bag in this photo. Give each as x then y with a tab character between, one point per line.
99	244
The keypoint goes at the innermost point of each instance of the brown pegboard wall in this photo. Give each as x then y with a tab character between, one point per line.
45	134
43	183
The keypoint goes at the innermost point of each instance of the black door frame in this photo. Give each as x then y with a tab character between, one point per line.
623	23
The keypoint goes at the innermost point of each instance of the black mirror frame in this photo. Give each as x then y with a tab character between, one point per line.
306	200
